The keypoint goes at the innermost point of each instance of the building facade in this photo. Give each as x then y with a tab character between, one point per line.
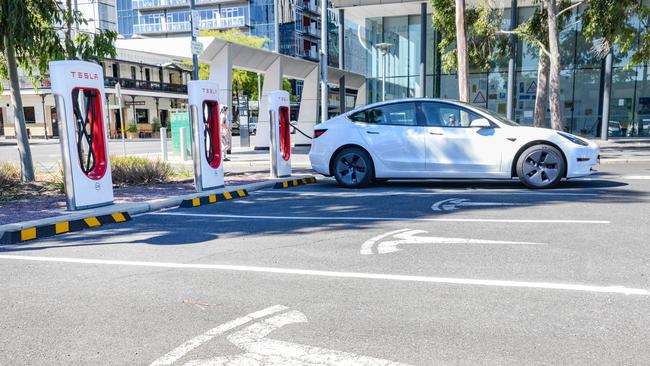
582	74
152	86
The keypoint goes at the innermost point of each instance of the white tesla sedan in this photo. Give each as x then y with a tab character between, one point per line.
431	138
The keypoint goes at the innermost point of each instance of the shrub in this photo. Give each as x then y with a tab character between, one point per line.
155	125
132	170
9	175
132	127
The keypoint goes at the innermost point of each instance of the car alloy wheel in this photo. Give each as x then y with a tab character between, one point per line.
540	166
353	168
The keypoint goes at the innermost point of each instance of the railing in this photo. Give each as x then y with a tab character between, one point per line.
313	31
311	6
239	21
145	85
146	4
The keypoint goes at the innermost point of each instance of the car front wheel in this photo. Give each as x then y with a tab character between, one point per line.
541	166
353	168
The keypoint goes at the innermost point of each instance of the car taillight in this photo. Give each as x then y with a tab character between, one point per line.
318	133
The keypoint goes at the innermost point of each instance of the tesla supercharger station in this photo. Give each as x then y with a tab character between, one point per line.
206	134
280	133
78	89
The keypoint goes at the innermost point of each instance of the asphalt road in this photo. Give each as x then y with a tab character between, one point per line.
409	272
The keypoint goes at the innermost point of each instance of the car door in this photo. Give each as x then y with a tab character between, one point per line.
393	136
456	149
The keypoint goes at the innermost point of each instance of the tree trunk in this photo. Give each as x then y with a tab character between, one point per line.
461	52
68	29
26	165
542	90
554	74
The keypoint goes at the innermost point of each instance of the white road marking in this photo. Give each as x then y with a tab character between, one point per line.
325	193
366	248
366	218
409	237
264	351
452	204
188	346
635	177
354	275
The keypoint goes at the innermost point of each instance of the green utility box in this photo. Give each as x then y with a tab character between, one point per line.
178	121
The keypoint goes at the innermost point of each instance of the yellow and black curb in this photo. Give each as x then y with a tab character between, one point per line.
63	227
295	182
213	198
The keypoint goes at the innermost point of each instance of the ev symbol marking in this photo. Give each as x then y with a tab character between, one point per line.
453	204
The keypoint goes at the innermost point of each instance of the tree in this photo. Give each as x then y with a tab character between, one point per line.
461	45
481	46
30	39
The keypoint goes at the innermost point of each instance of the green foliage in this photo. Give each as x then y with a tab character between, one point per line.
9	176
610	23
28	26
534	31
483	43
155	124
132	127
236	36
132	170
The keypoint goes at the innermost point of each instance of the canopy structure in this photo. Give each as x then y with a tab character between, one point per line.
223	56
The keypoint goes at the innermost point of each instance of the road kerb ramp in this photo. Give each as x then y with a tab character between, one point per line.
294	182
213	198
62	227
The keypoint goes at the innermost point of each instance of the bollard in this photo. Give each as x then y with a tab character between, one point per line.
163	143
183	144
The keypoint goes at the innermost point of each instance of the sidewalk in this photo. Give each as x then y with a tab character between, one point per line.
624	150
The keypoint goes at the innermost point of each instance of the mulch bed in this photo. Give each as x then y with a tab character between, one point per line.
37	201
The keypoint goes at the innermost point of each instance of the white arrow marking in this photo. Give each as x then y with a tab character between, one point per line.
366	248
456	203
263	351
408	237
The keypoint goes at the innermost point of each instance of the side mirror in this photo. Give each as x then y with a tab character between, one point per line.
481	123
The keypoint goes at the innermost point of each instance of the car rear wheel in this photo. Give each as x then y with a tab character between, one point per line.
541	166
353	168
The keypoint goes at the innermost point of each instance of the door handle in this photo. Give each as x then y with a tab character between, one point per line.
373	132
435	133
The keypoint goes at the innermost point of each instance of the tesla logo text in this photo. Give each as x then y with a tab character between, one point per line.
84	75
210	90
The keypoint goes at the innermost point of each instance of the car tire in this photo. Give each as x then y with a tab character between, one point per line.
540	167
353	168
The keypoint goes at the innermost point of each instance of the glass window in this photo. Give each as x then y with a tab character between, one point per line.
448	115
142	115
30	114
359	116
400	114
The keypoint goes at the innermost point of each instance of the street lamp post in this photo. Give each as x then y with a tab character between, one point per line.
383	47
44	118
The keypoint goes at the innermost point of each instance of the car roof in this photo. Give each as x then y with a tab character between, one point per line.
405	100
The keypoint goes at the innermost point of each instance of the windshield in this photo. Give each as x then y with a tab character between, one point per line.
496	116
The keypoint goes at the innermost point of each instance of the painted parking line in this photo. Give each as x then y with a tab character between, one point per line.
347	275
366	218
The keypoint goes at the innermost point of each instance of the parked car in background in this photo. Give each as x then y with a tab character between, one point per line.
433	138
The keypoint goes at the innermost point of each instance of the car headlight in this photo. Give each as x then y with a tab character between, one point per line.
574	139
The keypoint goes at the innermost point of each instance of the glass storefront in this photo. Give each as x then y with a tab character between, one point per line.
581	76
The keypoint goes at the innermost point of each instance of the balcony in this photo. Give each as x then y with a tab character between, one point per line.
311	7
177	27
159	4
312	31
110	82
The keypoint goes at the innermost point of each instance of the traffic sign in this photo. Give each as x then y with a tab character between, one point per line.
197	47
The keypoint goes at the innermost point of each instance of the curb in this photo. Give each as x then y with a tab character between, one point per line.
624	161
136	208
62	227
213	198
294	182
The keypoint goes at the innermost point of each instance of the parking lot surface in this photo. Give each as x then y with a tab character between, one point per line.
405	272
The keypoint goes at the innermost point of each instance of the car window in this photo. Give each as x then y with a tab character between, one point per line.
359	116
398	114
447	115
